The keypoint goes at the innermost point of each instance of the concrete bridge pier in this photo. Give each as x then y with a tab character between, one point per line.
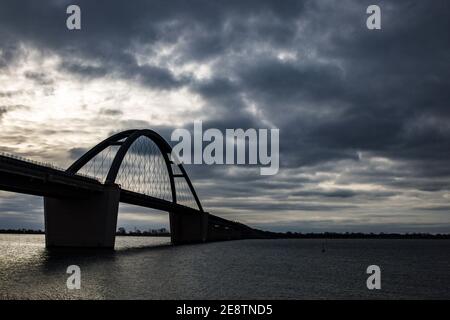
188	227
83	222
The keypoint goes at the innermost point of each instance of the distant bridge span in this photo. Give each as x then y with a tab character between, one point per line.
134	167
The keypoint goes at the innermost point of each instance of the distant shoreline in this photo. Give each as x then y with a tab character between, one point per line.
128	234
287	235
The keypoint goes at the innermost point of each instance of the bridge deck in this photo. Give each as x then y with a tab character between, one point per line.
31	178
35	179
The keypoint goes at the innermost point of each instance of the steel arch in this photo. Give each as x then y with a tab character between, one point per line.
129	137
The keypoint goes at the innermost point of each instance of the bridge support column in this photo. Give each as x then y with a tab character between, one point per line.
84	223
188	227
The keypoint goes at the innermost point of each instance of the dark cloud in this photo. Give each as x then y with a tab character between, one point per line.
111	112
8	108
39	77
435	208
76	153
10	94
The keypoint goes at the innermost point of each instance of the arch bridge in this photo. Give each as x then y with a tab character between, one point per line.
134	166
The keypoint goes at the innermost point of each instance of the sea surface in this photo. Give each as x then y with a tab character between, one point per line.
150	268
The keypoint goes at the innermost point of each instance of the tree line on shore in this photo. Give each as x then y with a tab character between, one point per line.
163	232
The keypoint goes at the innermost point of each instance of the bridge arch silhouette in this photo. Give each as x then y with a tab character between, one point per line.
125	141
134	166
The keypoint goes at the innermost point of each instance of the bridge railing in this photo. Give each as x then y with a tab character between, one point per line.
42	164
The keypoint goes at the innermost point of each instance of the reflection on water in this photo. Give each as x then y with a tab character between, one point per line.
28	270
149	268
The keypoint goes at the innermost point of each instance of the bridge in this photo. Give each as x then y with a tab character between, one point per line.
81	203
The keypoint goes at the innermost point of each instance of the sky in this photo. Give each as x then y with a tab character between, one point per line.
363	114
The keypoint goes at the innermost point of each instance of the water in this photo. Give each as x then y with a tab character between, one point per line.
149	268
